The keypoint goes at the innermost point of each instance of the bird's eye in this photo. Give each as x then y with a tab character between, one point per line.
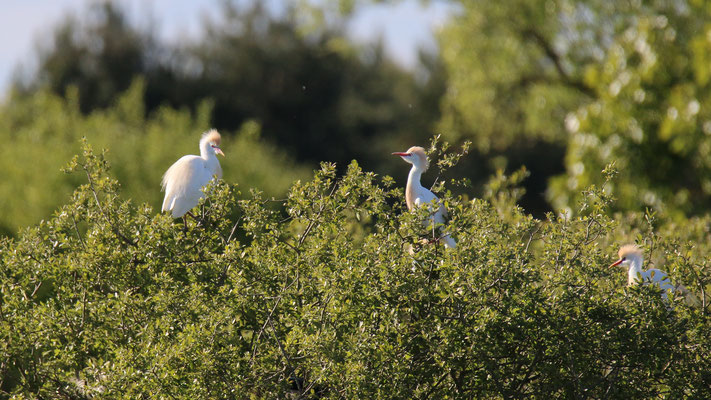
624	258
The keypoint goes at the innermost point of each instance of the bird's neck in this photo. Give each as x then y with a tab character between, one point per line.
635	269
206	152
413	186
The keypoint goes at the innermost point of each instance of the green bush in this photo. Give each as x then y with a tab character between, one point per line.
338	296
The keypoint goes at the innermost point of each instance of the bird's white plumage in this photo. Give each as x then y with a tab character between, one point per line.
417	195
184	180
656	277
423	196
631	258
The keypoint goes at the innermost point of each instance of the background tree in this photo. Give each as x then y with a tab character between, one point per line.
315	94
650	115
623	82
563	87
99	55
510	83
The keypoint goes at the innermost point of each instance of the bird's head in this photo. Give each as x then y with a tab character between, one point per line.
416	156
212	139
628	253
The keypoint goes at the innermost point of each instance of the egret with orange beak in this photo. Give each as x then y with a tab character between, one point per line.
631	258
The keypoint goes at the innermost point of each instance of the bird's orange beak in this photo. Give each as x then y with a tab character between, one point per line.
616	263
401	154
218	151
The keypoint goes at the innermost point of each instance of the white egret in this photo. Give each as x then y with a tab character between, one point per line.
416	195
184	180
631	258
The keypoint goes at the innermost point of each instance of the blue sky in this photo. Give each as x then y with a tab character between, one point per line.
405	25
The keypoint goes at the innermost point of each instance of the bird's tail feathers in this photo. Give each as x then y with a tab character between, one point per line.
168	203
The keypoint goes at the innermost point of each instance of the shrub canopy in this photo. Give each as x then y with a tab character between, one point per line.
337	296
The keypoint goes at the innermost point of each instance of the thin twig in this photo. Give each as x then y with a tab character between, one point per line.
283	353
37	287
106	217
234	228
312	222
530	237
269	317
76	228
261	330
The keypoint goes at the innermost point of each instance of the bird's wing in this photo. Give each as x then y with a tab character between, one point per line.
658	277
425	196
180	179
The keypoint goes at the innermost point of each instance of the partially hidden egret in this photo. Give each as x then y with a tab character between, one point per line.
184	180
631	258
416	195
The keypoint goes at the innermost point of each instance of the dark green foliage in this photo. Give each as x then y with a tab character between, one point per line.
338	296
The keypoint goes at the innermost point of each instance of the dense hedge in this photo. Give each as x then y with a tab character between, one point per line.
338	296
